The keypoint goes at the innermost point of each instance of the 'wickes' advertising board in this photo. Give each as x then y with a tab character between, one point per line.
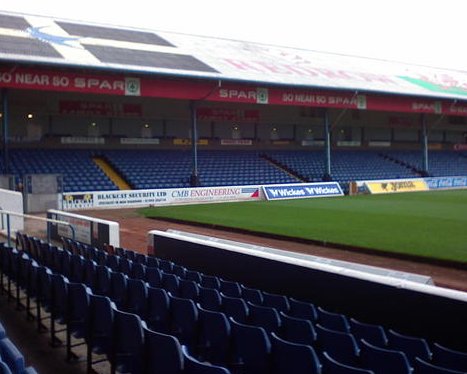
302	190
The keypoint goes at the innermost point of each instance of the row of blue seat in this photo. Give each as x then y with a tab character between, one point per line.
11	359
132	295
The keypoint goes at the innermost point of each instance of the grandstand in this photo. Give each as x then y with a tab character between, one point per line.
112	109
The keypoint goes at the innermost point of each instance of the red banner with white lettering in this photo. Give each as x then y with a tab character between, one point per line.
185	89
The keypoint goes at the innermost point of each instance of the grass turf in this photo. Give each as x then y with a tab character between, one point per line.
428	224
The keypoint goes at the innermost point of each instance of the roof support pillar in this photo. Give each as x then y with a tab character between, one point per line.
194	178
5	113
327	146
424	141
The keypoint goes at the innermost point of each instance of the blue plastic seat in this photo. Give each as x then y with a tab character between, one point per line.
158	310
383	360
235	308
231	289
103	284
251	349
184	320
11	355
154	277
58	309
113	262
424	367
166	265
288	357
163	353
188	289
179	270
90	273
127	343
152	262
138	271
449	358
279	302
77	316
213	343
170	283
340	345
100	332
333	321
333	366
193	366
210	281
77	268
373	334
252	295
265	317
125	266
193	275
136	298
209	298
118	289
412	346
297	330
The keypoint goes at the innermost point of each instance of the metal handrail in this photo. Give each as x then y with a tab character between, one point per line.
48	220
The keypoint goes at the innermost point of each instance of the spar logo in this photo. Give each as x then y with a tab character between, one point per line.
39	34
132	87
254	95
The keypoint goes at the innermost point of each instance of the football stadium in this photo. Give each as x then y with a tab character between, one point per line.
184	204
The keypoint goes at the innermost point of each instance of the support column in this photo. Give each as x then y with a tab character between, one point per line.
327	146
194	178
6	160
424	141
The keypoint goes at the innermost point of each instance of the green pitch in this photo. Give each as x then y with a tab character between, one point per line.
428	224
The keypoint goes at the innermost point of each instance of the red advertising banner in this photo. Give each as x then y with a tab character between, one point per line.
51	80
99	108
36	79
228	114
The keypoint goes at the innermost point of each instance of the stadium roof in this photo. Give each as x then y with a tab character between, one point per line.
36	39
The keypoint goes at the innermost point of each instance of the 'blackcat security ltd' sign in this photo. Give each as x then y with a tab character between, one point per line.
302	191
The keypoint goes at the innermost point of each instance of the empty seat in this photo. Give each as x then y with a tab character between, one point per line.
128	343
449	358
265	317
279	302
252	295
214	337
301	309
288	357
424	367
209	298
340	345
184	320
136	298
333	366
235	308
412	346
229	288
100	331
251	349
333	321
373	334
158	310
163	353
382	360
210	281
297	330
193	366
